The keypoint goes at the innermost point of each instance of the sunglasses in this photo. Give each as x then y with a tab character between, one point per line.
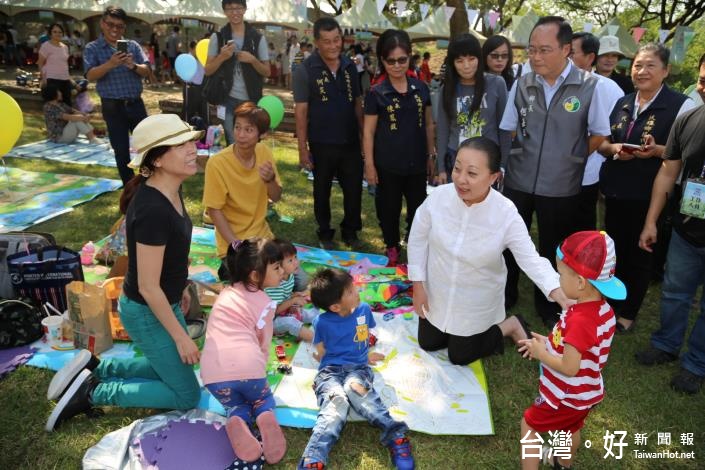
496	56
399	60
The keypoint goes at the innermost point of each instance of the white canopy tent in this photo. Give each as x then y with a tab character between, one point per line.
436	26
364	16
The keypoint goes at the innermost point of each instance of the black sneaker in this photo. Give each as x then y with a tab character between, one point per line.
76	400
64	376
687	382
352	241
654	356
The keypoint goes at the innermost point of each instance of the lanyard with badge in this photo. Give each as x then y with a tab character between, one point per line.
693	201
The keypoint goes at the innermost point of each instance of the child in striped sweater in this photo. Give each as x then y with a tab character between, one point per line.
291	314
573	356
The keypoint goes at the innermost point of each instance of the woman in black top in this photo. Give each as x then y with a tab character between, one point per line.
158	241
397	139
640	124
498	58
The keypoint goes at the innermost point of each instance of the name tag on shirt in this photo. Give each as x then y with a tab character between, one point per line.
693	201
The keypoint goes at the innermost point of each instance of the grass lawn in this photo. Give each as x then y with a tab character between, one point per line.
638	400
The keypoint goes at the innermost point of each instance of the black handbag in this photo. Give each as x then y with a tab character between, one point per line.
216	87
20	323
42	274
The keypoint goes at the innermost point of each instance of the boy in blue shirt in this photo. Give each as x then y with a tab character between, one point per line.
344	379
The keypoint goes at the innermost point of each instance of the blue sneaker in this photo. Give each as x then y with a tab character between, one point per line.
401	454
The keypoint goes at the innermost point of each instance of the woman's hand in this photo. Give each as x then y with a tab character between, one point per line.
266	172
559	296
648	237
534	347
371	174
420	299
649	149
188	351
619	153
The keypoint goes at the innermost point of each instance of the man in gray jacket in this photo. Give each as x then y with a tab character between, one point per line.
556	114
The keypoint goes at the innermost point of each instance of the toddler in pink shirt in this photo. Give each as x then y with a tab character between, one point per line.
234	359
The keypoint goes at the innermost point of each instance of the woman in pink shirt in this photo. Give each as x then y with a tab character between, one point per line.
235	355
53	63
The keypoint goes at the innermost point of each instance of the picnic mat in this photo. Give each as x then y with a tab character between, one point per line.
423	389
79	151
29	197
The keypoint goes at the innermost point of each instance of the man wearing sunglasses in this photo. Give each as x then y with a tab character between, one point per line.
118	76
328	114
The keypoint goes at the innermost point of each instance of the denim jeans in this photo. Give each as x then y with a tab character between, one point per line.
246	399
335	397
121	117
167	382
685	271
229	123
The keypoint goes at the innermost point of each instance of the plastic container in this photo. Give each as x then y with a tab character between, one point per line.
87	253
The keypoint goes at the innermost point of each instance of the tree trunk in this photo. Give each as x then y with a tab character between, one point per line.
459	20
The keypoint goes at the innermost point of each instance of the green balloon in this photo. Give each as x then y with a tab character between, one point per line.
274	107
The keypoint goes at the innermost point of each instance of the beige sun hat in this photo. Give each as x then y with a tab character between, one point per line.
610	45
159	130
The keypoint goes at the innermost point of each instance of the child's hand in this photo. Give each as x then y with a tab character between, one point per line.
374	357
533	348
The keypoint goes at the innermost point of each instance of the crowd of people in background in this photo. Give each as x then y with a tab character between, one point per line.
509	142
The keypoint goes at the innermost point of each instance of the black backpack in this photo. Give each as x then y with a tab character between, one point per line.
20	323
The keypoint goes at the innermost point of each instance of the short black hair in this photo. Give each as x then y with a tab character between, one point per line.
286	247
701	61
228	2
426	55
115	12
565	32
327	287
325	24
176	29
488	147
589	43
253	254
50	92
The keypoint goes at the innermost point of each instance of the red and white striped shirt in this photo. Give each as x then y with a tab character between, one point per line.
589	328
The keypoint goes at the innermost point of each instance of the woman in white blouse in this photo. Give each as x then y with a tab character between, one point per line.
455	260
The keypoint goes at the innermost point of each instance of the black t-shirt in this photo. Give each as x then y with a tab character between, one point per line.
687	143
152	220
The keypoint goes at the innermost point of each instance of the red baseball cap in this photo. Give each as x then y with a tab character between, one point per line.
591	254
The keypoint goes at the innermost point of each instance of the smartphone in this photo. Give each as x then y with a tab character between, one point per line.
122	46
232	41
630	148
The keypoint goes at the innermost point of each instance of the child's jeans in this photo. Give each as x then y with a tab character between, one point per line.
292	325
335	397
246	399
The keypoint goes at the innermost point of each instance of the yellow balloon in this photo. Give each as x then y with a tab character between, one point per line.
202	51
12	122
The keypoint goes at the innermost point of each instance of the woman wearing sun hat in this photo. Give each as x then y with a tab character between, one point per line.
158	241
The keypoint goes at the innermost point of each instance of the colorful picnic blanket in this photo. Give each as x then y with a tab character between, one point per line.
79	151
29	197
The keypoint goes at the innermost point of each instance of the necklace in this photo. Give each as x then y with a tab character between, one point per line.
247	162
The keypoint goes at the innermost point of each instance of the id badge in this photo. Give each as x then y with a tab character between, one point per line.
693	201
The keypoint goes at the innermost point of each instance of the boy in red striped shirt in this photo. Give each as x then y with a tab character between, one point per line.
573	356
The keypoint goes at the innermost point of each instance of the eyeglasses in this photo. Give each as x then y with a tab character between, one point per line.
237	9
496	56
116	26
540	51
399	60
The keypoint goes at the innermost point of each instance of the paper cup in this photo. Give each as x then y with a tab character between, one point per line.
52	330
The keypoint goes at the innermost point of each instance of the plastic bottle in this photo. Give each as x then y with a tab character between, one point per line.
87	253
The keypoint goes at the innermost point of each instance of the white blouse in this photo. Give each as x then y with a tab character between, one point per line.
456	250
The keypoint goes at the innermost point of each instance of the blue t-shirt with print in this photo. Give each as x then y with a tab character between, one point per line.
345	339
